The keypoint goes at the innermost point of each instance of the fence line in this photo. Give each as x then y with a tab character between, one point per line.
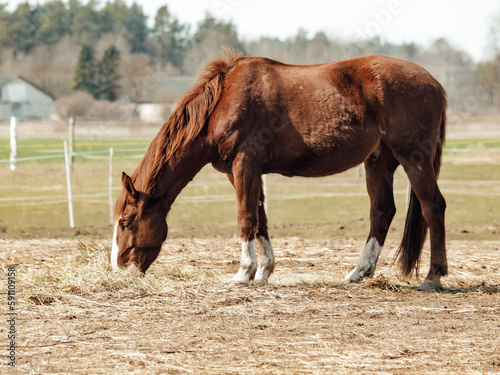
228	197
81	154
200	198
68	166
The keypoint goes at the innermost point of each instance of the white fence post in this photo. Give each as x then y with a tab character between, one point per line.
68	183
13	143
111	184
71	139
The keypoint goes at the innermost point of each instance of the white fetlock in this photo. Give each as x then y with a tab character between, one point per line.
367	262
248	264
262	275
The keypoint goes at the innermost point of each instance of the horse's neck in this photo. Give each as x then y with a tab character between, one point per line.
180	170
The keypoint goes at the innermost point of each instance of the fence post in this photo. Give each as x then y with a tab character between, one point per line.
13	143
68	183
71	140
111	185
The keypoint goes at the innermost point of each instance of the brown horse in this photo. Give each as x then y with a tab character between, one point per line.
249	116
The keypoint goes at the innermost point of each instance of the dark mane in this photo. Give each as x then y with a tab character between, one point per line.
188	119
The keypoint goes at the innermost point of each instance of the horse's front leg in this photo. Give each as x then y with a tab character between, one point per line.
248	186
265	254
265	257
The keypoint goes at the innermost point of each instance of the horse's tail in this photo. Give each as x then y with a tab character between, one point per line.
415	230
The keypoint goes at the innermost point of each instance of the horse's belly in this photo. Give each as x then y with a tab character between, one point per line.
318	167
324	163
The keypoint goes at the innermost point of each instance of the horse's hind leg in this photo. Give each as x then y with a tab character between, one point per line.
423	181
379	183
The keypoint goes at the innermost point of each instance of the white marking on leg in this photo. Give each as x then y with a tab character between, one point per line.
114	249
367	261
248	263
265	261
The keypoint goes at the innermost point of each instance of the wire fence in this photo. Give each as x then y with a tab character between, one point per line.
107	192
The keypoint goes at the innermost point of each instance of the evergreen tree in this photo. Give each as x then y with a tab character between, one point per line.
84	78
137	30
86	24
23	26
55	22
215	33
109	86
171	38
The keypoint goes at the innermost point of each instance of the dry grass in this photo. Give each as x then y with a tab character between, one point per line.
88	271
183	318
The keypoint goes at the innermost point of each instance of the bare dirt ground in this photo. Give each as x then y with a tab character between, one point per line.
304	321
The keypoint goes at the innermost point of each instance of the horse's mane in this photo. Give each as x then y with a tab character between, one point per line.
189	117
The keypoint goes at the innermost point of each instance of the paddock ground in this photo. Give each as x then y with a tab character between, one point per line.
77	316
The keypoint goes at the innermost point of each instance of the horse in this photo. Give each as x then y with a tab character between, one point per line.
250	116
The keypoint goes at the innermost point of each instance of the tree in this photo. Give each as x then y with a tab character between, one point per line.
55	22
137	30
118	10
135	69
171	38
319	48
84	78
22	27
217	33
299	46
109	85
208	39
86	24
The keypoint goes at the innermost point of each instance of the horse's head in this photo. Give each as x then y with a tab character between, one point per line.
140	228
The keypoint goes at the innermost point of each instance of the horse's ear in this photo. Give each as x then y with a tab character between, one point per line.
129	186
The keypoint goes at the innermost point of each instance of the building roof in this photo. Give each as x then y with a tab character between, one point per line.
4	80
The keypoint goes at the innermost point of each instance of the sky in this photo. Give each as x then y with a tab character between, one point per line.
465	23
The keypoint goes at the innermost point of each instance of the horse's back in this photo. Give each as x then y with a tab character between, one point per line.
321	119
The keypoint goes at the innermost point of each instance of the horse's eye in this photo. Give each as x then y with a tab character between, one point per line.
125	225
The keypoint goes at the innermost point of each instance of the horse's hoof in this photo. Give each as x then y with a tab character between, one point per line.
353	277
430	286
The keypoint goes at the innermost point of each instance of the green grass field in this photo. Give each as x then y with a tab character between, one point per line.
87	151
335	206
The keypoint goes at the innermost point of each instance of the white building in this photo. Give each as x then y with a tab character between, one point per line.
23	99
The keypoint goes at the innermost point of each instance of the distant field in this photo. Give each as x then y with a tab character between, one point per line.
331	207
92	151
471	144
98	149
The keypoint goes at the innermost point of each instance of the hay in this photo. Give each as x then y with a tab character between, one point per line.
88	271
382	282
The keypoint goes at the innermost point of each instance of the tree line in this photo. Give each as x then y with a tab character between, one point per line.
109	51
